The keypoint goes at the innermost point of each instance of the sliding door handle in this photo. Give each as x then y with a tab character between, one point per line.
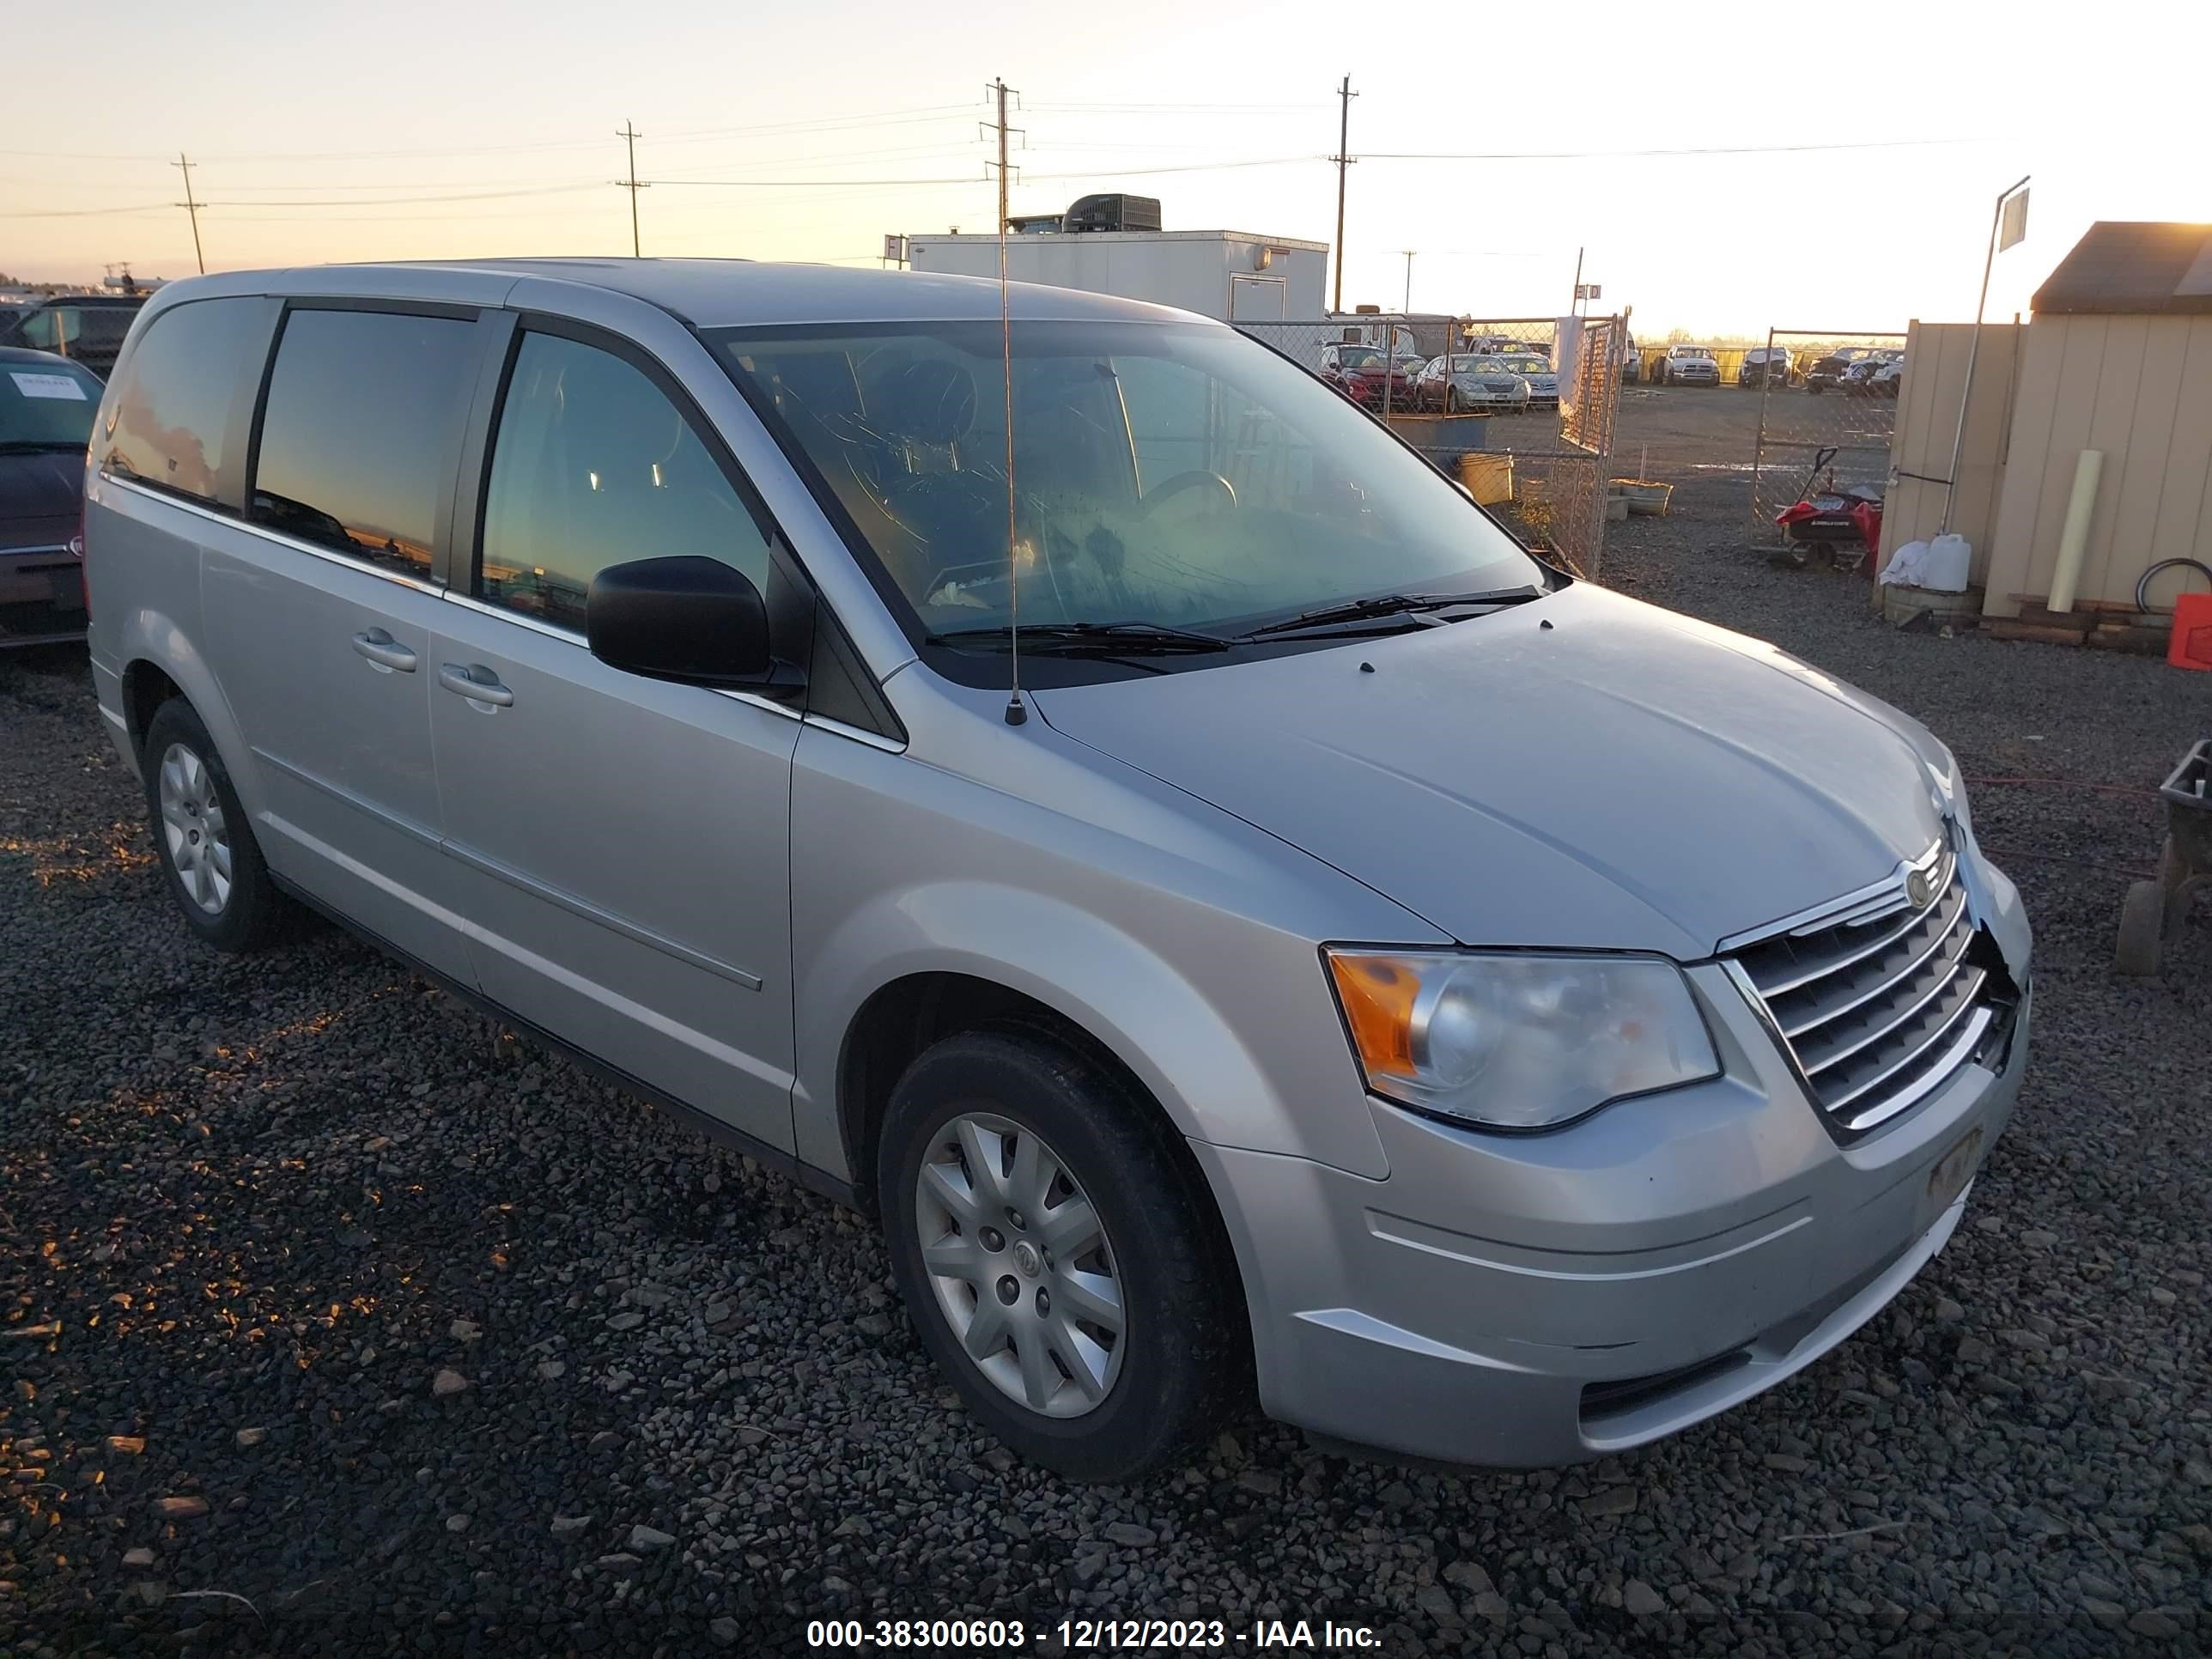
475	683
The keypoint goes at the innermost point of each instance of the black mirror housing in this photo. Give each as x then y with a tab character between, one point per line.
684	618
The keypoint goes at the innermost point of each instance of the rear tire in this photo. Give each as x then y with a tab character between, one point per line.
211	862
2142	930
1026	1172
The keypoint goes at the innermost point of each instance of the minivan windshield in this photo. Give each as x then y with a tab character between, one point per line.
1176	475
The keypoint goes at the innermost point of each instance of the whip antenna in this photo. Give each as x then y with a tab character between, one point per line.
1016	711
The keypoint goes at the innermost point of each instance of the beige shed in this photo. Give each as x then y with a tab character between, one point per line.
2117	358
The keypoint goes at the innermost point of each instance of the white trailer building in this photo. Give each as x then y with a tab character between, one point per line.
1224	274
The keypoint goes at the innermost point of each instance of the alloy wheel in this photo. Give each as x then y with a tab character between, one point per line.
1018	1260
193	825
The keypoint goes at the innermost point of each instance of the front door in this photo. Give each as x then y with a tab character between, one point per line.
624	840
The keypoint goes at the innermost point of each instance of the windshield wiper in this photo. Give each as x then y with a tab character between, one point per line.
1067	639
1391	604
39	447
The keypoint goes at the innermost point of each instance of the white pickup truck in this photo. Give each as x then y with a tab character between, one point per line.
1686	365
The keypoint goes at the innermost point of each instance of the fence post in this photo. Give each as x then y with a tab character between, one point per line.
1758	444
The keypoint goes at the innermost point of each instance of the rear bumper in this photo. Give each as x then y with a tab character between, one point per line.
1544	1300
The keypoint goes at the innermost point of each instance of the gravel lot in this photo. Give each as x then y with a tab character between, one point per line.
429	1344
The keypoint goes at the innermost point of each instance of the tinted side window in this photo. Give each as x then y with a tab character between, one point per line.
359	432
172	400
592	465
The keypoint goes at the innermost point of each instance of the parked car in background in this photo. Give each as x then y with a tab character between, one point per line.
1543	383
1863	378
1885	380
1363	373
1827	372
86	328
1688	365
1472	379
46	406
1631	361
1579	1024
1766	365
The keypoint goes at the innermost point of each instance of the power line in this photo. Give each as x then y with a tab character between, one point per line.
1703	150
811	184
628	136
89	213
408	201
192	207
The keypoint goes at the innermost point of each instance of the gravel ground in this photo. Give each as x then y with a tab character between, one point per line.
331	1324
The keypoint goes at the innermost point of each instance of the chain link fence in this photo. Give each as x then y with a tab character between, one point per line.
1827	409
1521	410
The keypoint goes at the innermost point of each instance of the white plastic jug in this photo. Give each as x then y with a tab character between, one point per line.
1945	568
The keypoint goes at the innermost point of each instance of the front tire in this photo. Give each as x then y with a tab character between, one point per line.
1063	1267
212	864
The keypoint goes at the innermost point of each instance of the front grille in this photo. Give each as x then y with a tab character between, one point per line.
1879	1004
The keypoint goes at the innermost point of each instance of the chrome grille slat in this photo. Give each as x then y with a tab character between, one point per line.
1966	1005
1945	977
1869	1007
1936	937
1858	950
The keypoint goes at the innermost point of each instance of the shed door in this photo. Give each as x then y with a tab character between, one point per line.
1258	299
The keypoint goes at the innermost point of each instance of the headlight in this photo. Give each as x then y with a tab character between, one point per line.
1950	786
1515	1041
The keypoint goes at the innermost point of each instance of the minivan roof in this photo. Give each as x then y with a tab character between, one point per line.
727	293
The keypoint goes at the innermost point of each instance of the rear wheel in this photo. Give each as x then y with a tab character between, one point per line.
209	855
2142	929
1063	1267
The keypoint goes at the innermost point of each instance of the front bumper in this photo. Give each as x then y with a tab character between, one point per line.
1540	1300
41	595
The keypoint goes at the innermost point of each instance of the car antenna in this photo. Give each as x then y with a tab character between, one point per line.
1016	713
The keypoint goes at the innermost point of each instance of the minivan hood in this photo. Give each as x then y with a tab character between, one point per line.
1581	771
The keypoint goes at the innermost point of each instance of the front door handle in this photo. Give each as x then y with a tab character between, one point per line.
380	648
475	682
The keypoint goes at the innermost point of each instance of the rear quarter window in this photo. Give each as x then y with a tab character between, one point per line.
167	428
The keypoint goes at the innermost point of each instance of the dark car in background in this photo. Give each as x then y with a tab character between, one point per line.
46	406
1771	364
1361	373
1828	373
88	329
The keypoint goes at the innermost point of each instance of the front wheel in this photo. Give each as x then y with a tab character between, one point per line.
1064	1267
1451	401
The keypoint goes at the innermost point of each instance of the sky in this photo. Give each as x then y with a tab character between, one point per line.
419	130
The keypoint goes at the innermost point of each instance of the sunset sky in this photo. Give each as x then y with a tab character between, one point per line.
412	130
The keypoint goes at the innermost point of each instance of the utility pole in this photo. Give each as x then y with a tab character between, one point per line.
1343	159
631	136
1409	253
192	207
1017	711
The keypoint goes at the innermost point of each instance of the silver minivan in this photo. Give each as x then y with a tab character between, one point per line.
1084	793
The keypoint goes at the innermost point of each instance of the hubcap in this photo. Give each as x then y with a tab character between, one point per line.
193	825
1041	1318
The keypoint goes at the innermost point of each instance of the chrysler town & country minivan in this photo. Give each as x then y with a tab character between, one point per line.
1084	793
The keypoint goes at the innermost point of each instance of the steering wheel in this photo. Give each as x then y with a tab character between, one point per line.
1160	493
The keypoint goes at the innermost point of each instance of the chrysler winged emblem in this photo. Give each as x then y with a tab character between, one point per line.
1919	887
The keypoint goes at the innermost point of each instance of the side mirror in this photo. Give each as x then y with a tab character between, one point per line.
685	619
